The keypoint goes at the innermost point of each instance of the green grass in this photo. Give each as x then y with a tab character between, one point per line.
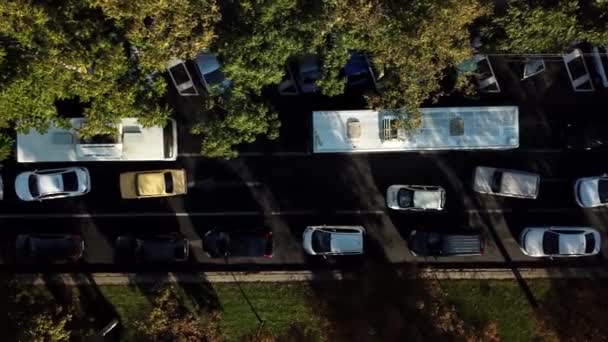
130	303
278	304
479	302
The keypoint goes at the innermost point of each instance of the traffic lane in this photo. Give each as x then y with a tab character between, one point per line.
327	182
385	239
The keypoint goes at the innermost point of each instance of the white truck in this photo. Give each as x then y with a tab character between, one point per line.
452	128
133	142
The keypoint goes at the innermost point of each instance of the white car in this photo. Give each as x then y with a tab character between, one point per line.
560	241
51	184
333	240
504	182
591	192
415	197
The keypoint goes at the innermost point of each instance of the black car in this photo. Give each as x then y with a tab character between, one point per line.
49	248
442	244
220	242
154	249
586	136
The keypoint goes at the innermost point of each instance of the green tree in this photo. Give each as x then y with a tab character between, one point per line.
538	27
255	43
58	50
411	44
162	29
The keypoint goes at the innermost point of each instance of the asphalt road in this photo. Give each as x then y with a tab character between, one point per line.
282	186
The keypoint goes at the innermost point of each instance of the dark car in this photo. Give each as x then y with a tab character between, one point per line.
441	244
220	242
154	249
586	136
49	248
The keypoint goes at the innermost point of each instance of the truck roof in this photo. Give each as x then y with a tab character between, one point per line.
448	128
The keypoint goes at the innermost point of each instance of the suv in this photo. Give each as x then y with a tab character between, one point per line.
153	249
415	197
49	248
440	244
333	240
503	182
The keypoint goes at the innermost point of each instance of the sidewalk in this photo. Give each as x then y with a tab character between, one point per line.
307	276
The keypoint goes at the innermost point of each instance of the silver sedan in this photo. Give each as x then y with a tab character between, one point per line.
42	185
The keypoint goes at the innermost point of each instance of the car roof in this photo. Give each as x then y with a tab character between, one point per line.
151	183
207	62
49	183
346	242
427	199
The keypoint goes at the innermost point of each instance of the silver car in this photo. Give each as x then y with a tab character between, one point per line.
415	197
504	182
333	240
42	185
591	192
560	241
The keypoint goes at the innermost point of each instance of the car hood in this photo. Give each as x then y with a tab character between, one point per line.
587	192
349	243
427	199
22	188
207	62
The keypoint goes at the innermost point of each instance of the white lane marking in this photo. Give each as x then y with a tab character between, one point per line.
250	154
360	212
268	213
210	183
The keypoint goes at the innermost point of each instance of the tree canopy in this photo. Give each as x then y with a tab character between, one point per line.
540	27
103	54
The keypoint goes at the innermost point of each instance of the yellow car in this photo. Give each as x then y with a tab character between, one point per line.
158	183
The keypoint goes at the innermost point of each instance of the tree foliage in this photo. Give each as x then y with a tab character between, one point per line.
162	29
58	50
33	318
538	27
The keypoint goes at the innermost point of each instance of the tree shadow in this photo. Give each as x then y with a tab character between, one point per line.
386	305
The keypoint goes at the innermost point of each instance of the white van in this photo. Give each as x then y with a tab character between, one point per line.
504	182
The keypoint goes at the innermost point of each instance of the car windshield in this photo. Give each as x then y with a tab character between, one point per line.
405	198
496	181
32	183
589	243
602	189
70	181
550	243
168	182
214	77
321	241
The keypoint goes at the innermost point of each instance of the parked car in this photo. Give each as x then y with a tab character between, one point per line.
415	197
42	185
586	135
503	182
600	61
210	71
221	242
422	243
560	241
180	76
158	183
579	75
304	71
153	249
49	248
591	192
333	240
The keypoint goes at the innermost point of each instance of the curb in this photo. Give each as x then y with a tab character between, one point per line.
308	276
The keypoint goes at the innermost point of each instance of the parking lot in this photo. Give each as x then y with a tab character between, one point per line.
282	186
